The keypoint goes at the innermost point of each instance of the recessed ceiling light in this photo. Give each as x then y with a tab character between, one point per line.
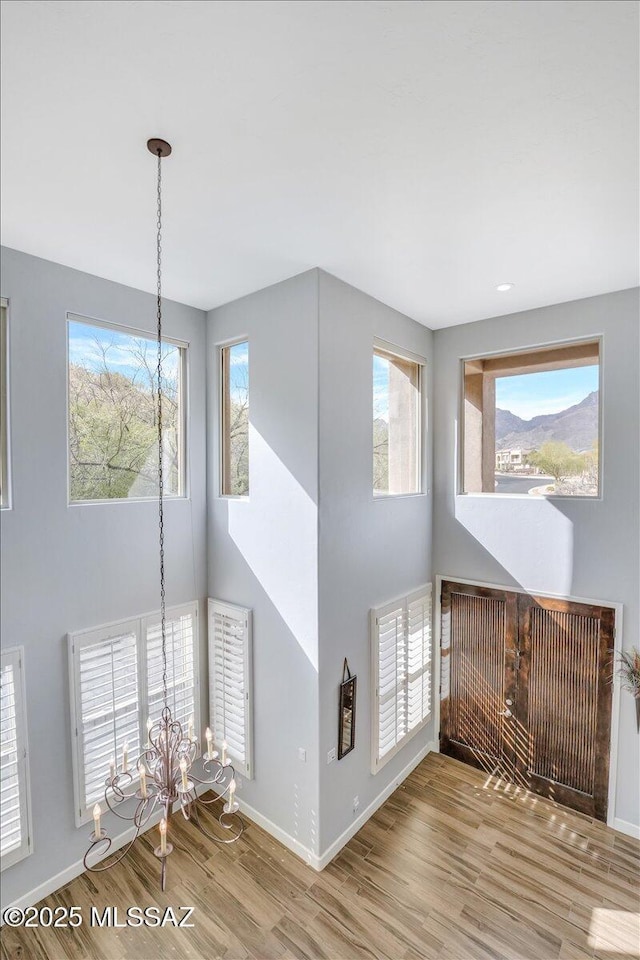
503	287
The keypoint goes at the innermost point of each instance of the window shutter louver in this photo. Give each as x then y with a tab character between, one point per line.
15	840
401	667
107	706
230	681
181	666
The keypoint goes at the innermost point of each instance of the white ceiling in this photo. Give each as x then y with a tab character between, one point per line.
422	151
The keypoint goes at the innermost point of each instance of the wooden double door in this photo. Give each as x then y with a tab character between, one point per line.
526	691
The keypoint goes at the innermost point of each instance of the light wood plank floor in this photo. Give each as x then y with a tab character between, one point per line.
453	866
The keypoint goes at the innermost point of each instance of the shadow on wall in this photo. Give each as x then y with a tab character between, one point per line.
283	680
532	542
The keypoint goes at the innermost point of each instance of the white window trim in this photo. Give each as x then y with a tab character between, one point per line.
422	424
219	606
183	346
220	348
16	656
100	634
377	763
7	502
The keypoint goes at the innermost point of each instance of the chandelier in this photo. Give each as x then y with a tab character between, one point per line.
163	776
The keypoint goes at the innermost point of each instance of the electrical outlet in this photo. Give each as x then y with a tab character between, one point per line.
302	755
356	804
331	755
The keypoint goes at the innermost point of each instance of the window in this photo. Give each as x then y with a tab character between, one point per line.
397	428
116	684
234	361
4	407
113	407
531	422
15	814
230	666
401	671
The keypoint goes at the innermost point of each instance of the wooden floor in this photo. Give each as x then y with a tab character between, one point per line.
454	866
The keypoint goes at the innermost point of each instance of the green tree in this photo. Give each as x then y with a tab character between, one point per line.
558	459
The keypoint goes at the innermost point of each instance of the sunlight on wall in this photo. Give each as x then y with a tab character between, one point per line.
615	932
533	542
276	531
528	536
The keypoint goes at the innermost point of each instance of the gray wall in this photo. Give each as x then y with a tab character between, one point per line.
580	548
65	568
370	551
263	550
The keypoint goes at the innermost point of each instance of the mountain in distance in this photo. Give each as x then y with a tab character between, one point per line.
577	426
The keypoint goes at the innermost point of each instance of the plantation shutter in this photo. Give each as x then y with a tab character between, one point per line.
230	682
107	706
182	654
15	840
401	670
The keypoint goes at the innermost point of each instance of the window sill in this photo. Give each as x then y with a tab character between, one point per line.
152	500
399	496
526	496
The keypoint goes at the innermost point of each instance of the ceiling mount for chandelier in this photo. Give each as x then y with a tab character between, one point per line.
163	776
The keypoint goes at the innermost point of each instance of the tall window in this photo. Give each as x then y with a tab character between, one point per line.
4	419
401	672
397	408
113	409
117	683
531	422
230	667
234	481
15	829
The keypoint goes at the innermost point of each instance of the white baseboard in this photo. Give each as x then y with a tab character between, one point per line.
343	839
631	829
318	862
279	834
75	869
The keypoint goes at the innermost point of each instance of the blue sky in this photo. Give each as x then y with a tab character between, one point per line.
531	394
86	343
239	370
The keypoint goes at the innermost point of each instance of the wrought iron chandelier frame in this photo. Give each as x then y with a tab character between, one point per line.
164	770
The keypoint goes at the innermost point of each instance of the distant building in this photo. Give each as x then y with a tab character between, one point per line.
509	460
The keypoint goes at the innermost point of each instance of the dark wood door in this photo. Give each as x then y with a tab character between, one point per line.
564	700
479	649
526	691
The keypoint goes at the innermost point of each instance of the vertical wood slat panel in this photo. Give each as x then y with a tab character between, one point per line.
477	672
563	697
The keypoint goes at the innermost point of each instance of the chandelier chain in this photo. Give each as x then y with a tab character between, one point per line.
163	612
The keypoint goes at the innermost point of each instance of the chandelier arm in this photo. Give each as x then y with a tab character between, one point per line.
210	836
107	866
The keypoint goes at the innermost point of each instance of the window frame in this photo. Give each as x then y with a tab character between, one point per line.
17	658
424	593
6	497
384	346
184	364
222	408
245	769
547	345
99	635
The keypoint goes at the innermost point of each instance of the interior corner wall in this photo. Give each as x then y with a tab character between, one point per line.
263	549
581	548
67	568
370	550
